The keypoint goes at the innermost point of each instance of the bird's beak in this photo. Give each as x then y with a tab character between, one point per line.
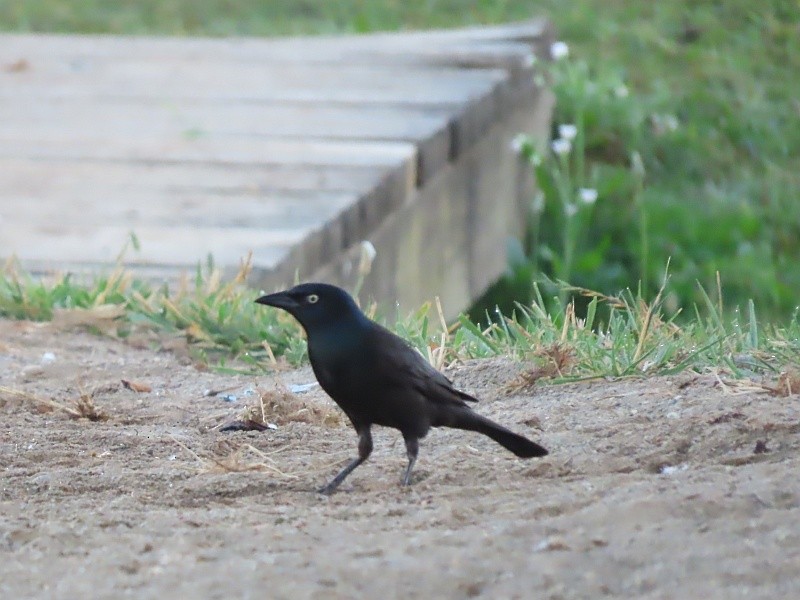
278	300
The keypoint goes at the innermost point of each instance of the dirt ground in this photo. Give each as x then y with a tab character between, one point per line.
680	487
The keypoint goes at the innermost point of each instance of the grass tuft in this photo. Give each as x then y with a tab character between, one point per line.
225	329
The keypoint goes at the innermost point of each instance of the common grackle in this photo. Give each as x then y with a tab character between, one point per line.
376	378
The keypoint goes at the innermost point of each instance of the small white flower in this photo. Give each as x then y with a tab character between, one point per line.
559	50
568	131
538	202
621	91
518	143
368	254
539	80
561	146
588	195
663	123
536	159
672	469
368	251
637	164
671	122
570	209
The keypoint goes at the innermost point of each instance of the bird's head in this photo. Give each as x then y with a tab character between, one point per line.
316	305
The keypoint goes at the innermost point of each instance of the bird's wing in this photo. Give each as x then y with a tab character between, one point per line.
405	366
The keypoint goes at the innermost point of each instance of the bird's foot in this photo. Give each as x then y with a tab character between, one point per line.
328	488
412	458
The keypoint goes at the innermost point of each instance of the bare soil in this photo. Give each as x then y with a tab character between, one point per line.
673	487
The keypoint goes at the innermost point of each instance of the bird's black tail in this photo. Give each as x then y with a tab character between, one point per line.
472	421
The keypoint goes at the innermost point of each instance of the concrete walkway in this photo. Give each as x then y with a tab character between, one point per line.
293	149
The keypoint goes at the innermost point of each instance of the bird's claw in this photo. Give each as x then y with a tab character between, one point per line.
327	489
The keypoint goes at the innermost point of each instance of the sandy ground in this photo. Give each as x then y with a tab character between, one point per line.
654	489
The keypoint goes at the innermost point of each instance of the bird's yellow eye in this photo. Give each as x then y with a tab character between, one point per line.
312	298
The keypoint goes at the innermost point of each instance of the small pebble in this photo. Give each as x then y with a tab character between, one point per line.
299	388
672	469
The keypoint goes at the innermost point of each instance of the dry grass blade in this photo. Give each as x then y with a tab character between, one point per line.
788	384
737	387
651	310
270	354
103	317
245	267
558	358
87	409
280	406
213	282
611	301
437	353
570	322
84	407
237	461
10	394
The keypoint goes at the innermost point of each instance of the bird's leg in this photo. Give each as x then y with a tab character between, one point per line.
412	449
364	450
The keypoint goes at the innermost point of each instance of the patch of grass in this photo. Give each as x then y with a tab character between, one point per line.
253	17
225	329
684	125
636	339
219	320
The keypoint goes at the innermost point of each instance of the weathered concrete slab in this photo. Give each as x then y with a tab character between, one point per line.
295	149
507	43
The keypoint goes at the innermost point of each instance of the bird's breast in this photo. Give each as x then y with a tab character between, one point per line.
342	372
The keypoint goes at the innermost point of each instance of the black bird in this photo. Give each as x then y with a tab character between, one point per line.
377	378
